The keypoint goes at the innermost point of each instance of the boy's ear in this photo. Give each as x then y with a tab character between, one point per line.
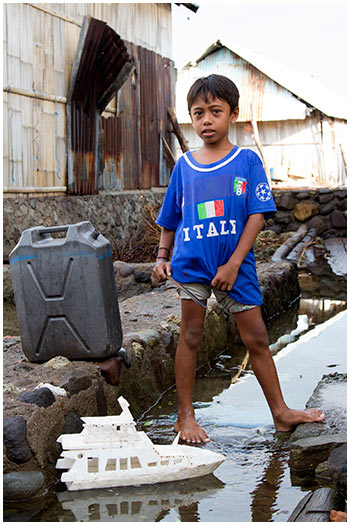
234	115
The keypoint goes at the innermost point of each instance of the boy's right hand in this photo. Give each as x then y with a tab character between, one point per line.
161	271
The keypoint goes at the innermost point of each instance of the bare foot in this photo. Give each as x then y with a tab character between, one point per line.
287	421
190	431
110	369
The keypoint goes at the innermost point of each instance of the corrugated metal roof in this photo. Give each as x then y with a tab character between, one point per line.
191	7
305	87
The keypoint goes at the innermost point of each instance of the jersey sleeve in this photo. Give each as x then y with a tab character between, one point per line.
171	211
260	195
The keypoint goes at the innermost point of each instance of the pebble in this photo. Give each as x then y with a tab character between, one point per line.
337	464
11	388
74	382
142	277
15	440
56	390
43	397
72	424
57	362
149	337
20	486
126	270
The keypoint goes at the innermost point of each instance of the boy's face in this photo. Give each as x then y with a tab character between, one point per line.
211	120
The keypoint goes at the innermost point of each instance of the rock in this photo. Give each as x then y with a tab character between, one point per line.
142	277
325	197
21	486
15	440
302	196
342	194
74	382
167	339
292	226
149	337
276	228
57	362
307	453
10	387
286	202
326	209
126	270
338	219
322	474
305	210
72	424
43	397
318	223
282	217
342	205
330	396
337	465
57	391
311	443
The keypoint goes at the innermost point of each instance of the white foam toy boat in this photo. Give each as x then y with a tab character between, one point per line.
110	452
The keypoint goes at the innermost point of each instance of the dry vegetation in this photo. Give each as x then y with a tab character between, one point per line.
142	245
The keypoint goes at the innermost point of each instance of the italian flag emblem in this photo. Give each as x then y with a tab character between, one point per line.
239	186
209	209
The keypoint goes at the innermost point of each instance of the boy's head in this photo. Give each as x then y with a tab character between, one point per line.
214	86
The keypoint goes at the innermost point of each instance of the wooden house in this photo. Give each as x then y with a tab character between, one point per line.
295	123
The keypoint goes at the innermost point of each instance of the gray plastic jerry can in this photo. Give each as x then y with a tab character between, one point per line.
65	293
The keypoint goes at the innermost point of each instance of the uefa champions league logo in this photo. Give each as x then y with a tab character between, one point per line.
263	192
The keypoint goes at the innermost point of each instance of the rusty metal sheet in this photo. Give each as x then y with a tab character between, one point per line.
100	60
131	141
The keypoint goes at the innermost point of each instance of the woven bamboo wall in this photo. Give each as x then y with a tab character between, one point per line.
40	42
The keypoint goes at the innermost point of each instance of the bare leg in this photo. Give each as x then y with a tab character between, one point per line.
185	367
254	335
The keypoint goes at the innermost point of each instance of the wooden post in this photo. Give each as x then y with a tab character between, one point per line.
177	131
316	506
258	143
343	155
168	154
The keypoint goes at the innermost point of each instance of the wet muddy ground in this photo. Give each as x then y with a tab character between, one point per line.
254	483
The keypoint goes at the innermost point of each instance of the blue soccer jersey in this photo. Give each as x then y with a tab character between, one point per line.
208	207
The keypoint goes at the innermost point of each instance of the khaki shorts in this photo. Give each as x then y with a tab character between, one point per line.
203	292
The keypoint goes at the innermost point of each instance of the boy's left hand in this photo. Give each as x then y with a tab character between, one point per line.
225	277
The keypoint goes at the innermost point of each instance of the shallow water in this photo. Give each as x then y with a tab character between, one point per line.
253	483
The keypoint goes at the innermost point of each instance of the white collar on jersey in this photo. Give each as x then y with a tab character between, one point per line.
213	168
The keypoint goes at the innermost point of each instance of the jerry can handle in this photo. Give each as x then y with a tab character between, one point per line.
52	229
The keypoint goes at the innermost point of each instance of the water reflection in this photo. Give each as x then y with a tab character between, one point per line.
264	496
253	484
146	503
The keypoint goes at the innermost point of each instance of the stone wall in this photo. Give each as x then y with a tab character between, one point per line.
323	209
117	215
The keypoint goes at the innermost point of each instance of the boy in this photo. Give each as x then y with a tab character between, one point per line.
213	210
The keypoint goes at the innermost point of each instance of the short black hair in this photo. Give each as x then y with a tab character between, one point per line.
215	86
